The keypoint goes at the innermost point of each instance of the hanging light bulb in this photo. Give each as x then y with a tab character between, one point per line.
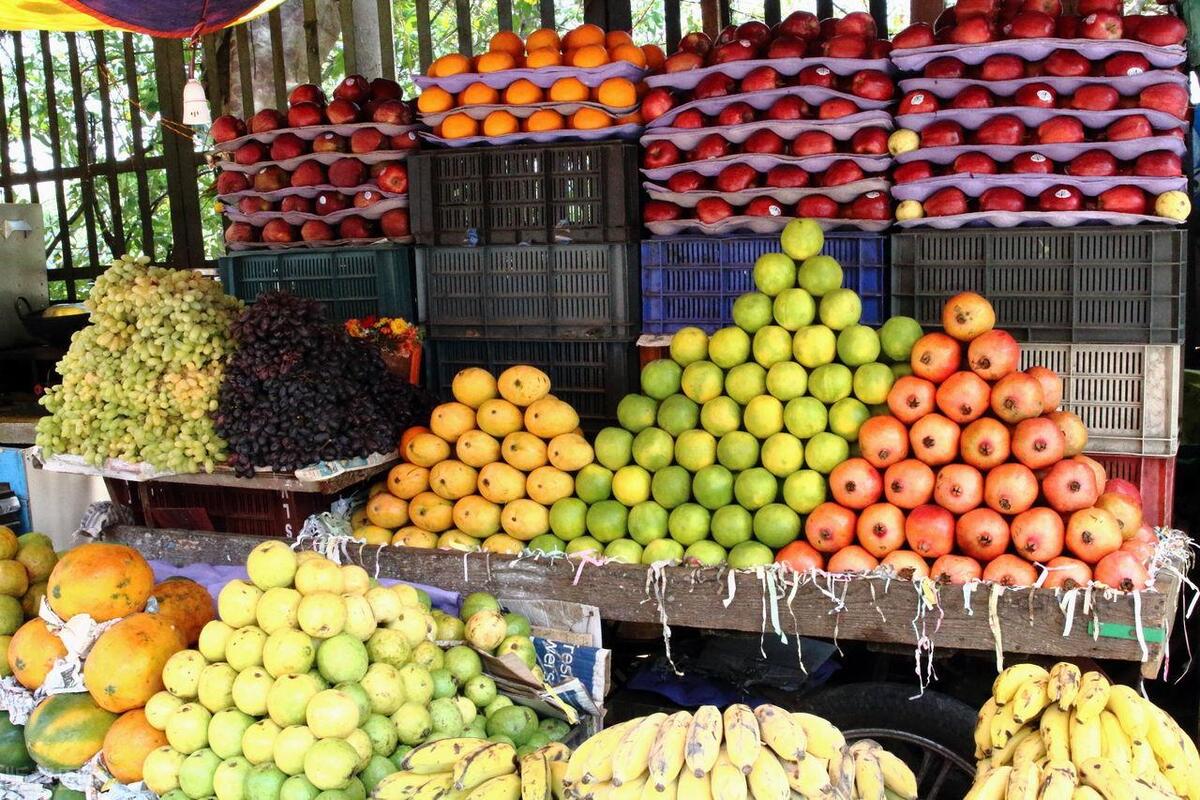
195	104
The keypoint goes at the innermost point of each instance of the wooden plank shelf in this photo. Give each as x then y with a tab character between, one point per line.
869	609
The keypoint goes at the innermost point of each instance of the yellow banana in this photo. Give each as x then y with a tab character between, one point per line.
404	785
668	792
535	776
728	782
1030	699
435	789
1004	755
1058	781
767	779
868	774
1109	783
842	773
1130	710
555	751
1009	681
809	777
629	790
822	738
631	759
1085	793
1023	783
1029	750
742	736
1117	748
1003	726
558	771
501	787
693	787
703	743
1093	696
1169	749
493	761
983	728
601	790
1086	739
440	756
1055	729
780	732
1155	780
992	786
667	752
592	761
897	777
1064	684
1141	758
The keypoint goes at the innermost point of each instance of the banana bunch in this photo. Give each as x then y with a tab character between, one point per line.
766	753
1067	735
477	769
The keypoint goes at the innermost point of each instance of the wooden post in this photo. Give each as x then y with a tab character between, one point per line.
365	32
926	10
180	158
710	17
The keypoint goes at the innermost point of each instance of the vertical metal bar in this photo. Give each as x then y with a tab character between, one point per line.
139	147
726	10
312	47
824	8
547	9
387	37
771	11
245	69
23	109
5	161
349	49
595	12
878	9
56	158
671	23
179	156
278	67
84	152
424	35
620	15
504	14
114	191
462	13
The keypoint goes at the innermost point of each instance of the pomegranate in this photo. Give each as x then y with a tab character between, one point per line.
934	439
959	488
1096	467
1010	570
1127	513
881	529
883	441
1122	571
1037	534
984	443
1093	533
1017	396
1142	545
967	315
981	534
908	483
1010	488
855	484
1065	572
1052	386
1070	486
1074	432
852	559
955	570
935	357
1122	486
801	557
830	527
929	531
993	354
906	564
911	398
963	397
1038	443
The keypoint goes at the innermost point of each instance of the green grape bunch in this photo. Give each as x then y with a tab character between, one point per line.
140	382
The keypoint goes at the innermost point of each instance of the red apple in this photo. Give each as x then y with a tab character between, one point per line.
1036	95
1101	25
392	112
266	120
297	203
815	76
975	30
841	172
756	31
872	85
711	146
230	182
347	172
383	90
287	145
1060	198
302	115
760	79
1125	64
835	108
845	46
329	202
692	118
942	133
278	230
763	207
919	34
227	128
737	50
714	85
800	24
309	173
1030	25
1093	163
330	142
973	97
965	9
912	171
1158	164
1167	97
1067	26
945	203
713	209
869	141
250	153
1060	130
1051	7
811	143
241	232
356	228
764	141
1161	29
1067	64
354	88
686	181
735	178
788	108
660	153
871	205
271	179
306	93
405	141
975	163
657	102
732	114
787	47
827	26
919	101
252	204
659	211
1032	164
1085	7
1002	67
1135	126
366	140
682	62
696	42
392	178
1001	198
1005	129
394	223
945	67
342	112
817	206
856	23
316	230
787	176
1095	97
1123	200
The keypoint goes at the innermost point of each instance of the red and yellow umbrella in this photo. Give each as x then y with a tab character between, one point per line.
170	18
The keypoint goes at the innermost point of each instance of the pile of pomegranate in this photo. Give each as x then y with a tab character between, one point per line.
1090	109
310	174
976	474
764	122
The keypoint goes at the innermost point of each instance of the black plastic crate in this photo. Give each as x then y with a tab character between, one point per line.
1104	285
592	376
577	291
584	192
350	282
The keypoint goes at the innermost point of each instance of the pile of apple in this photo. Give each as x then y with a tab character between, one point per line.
797	62
1040	108
281	169
976	471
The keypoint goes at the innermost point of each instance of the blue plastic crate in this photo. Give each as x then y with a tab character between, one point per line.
693	280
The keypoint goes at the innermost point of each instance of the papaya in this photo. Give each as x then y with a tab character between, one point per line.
104	580
32	653
66	730
187	605
127	743
124	667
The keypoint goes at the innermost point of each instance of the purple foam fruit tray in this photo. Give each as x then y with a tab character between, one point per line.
948	88
628	132
523	112
1126	150
841	129
915	59
373	211
1031	185
289	164
1014	219
761	101
311	132
784	66
543	77
843	193
759	225
764	163
972	118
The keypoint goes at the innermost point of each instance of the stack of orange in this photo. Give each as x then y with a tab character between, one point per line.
587	46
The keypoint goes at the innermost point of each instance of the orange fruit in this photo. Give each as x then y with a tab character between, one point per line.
450	64
458	126
478	94
544	119
522	92
495	61
592	55
542	38
434	100
588	119
616	93
500	123
655	57
628	52
507	42
614	38
568	90
632	118
543	57
585	34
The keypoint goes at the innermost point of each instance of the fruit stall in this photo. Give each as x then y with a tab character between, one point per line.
792	410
